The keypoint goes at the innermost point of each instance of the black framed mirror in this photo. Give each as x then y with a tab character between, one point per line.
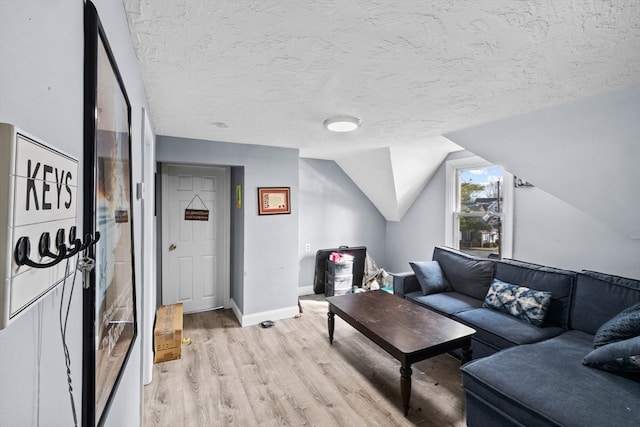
109	306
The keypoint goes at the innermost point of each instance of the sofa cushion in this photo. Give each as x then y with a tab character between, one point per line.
598	297
621	327
446	303
616	280
536	384
542	278
430	278
619	356
524	303
467	274
500	330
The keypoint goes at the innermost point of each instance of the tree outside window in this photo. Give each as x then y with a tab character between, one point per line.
479	210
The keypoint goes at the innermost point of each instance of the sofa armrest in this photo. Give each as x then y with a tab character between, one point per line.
405	283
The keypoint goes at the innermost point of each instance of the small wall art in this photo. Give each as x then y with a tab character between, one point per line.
274	200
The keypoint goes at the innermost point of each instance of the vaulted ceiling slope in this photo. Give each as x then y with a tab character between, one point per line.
269	72
585	152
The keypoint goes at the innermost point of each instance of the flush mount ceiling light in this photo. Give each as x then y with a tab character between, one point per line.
342	123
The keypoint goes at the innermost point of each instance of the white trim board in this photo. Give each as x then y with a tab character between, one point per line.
255	318
305	290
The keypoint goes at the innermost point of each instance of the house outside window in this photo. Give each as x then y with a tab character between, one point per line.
479	208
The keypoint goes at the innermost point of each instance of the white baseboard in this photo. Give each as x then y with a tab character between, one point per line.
255	318
305	290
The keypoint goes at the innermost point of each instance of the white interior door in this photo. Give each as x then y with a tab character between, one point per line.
195	252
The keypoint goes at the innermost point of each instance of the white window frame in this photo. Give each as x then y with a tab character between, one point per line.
451	202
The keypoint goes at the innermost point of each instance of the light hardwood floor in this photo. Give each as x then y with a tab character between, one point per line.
289	375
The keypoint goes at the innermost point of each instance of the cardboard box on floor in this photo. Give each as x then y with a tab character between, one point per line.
167	335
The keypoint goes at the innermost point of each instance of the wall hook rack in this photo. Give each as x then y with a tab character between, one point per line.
45	243
23	248
88	241
78	245
39	194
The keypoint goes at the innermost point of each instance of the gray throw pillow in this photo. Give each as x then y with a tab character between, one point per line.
430	277
620	356
521	302
466	274
622	326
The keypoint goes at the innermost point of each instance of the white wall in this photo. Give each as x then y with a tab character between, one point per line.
547	231
420	230
422	227
41	92
553	232
584	152
334	212
32	37
584	155
270	275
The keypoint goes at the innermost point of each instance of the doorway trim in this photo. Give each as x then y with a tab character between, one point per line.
224	258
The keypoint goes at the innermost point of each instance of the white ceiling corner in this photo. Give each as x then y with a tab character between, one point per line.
392	177
414	166
372	172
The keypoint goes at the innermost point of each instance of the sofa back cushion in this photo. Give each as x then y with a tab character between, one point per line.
599	297
542	278
467	274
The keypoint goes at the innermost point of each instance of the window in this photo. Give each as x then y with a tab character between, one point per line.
479	214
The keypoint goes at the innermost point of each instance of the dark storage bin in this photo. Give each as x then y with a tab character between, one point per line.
359	254
338	278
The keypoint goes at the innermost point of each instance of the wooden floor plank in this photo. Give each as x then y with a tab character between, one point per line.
290	375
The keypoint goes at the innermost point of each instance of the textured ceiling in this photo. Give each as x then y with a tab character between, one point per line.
269	72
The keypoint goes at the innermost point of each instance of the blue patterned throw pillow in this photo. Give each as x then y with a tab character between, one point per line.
620	356
524	303
622	326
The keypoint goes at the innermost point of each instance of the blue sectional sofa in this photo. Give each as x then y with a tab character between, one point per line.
535	367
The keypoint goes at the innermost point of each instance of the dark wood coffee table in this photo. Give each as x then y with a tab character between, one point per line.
407	331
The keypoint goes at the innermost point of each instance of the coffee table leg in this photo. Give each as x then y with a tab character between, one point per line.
466	353
331	323
405	387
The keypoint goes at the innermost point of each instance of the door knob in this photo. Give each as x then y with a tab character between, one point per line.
172	247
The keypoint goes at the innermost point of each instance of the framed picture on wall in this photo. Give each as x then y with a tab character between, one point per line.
274	200
109	306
